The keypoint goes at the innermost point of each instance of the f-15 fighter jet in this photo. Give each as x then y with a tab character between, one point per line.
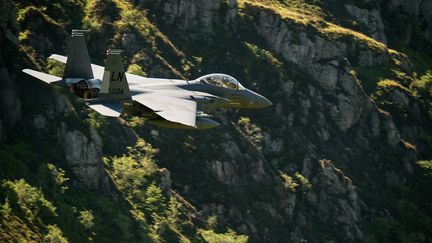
172	103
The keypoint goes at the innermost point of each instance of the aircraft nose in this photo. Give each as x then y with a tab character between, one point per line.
262	102
258	101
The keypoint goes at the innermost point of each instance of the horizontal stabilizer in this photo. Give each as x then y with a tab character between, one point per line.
47	78
107	108
59	58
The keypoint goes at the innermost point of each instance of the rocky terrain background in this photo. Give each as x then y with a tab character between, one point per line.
342	156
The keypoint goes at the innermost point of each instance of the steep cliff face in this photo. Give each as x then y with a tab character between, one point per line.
335	158
11	108
418	11
323	110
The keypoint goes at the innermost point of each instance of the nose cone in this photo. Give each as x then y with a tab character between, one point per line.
263	102
258	101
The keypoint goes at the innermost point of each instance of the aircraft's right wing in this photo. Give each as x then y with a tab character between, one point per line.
170	108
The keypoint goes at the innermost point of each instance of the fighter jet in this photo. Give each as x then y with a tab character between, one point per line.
172	103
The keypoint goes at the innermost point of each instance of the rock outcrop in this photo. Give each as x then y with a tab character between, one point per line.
83	154
10	108
337	201
324	152
417	15
198	17
84	158
325	114
372	20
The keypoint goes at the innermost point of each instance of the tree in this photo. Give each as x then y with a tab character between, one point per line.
86	219
54	235
155	201
31	201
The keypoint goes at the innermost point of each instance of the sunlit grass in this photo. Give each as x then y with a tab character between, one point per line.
312	15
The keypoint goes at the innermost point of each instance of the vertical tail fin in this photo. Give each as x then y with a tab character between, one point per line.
114	83
78	61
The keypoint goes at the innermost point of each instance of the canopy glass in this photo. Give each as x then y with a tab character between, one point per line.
221	80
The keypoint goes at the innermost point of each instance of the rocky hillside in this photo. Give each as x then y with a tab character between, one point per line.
344	155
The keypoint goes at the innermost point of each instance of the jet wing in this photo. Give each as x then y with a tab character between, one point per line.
173	109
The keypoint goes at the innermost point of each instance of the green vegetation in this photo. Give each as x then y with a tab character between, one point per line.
43	202
296	182
426	165
251	131
266	55
54	235
136	69
311	15
230	237
289	183
93	19
22	209
304	182
55	67
86	218
388	229
390	84
424	84
30	200
57	213
59	177
370	76
136	174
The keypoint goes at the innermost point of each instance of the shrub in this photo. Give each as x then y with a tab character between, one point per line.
130	171
31	201
155	201
390	84
304	182
55	67
229	237
96	120
136	69
212	222
86	219
424	83
54	235
250	130
289	182
59	176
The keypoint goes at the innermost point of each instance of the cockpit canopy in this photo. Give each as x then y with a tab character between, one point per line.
221	80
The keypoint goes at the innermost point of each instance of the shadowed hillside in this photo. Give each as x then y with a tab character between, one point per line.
344	155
